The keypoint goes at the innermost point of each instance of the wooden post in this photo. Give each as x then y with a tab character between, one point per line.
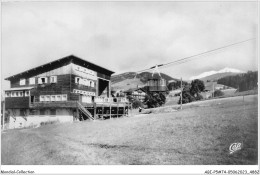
124	110
110	110
95	110
181	93
77	113
97	87
213	89
109	89
102	111
117	109
3	115
131	109
127	110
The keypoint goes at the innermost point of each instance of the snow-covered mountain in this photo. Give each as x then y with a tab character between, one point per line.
222	71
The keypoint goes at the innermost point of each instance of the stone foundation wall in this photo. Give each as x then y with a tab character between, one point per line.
36	121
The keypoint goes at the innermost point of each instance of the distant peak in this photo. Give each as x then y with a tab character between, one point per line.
225	70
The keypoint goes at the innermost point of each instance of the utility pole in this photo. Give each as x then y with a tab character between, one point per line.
213	89
181	93
3	115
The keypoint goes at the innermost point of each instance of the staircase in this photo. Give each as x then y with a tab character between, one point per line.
85	111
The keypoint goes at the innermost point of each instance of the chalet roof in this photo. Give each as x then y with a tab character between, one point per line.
19	89
54	64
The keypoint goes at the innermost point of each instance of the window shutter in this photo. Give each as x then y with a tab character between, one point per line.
81	81
39	81
22	81
32	80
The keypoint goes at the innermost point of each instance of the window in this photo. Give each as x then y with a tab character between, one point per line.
42	80
42	98
47	98
53	98
39	81
77	80
32	81
58	97
7	94
53	79
92	84
22	81
32	99
87	83
26	94
64	97
53	112
81	81
20	94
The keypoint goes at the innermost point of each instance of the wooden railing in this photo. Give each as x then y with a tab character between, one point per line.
74	104
61	104
84	111
111	99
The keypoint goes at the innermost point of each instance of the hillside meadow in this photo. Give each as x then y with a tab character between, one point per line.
200	134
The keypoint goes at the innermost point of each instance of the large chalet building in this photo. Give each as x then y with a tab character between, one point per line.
66	89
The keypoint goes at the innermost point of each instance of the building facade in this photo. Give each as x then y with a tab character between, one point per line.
137	93
66	89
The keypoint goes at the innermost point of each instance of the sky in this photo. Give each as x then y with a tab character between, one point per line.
129	36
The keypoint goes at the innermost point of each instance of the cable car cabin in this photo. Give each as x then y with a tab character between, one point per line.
66	89
157	85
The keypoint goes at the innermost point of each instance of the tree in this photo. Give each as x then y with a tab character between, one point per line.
150	101
197	86
218	93
153	100
163	98
137	103
176	85
186	95
243	82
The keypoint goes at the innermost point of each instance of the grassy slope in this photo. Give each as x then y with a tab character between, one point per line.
218	76
128	84
199	134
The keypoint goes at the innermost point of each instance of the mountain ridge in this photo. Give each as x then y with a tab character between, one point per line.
130	80
225	72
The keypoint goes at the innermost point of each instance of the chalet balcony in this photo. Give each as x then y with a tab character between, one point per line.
98	102
54	104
